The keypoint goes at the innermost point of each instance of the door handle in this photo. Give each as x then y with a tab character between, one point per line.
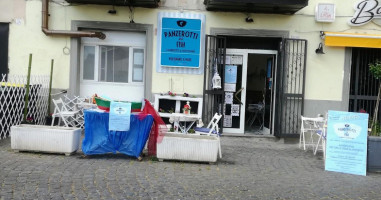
235	96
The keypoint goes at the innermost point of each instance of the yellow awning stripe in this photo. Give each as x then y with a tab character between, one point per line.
352	40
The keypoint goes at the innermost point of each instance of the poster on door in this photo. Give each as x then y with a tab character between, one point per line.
228	121
346	149
231	74
235	110
229	87
229	98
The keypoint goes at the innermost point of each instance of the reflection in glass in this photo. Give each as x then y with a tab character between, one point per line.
88	62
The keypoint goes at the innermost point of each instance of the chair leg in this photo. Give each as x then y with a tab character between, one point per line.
53	121
65	122
300	139
304	141
317	145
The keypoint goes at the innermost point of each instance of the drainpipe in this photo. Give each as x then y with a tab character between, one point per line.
45	27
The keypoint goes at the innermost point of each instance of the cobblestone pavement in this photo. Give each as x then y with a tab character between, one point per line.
251	168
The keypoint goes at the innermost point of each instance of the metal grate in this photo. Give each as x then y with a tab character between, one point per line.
12	94
214	59
363	87
290	88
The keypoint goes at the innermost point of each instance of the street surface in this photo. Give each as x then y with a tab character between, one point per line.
251	168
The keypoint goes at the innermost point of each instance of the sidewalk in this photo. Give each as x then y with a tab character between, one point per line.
251	168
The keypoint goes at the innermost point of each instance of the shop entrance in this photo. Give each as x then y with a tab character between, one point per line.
248	85
277	105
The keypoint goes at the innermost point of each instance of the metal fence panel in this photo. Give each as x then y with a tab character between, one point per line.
12	95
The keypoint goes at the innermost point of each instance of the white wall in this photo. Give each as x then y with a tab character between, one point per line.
324	75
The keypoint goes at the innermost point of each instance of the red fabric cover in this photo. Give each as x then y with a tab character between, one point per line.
158	128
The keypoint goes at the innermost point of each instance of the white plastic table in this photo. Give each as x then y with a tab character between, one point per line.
187	119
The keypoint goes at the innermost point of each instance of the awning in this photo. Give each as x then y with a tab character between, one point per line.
135	3
256	6
352	40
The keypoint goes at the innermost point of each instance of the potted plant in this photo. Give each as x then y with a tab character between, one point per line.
374	139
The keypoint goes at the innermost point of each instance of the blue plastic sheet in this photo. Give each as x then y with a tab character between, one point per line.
98	140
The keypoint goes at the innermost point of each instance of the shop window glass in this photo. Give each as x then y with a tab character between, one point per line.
114	64
88	62
138	65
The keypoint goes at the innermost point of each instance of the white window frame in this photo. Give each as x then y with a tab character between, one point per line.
97	64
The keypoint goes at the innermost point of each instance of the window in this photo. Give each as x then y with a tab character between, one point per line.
115	64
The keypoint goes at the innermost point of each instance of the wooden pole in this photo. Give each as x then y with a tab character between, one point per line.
27	88
50	86
375	114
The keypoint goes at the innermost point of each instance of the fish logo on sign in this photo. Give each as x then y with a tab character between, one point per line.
181	23
347	131
120	110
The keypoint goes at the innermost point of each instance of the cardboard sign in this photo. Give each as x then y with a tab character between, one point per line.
346	148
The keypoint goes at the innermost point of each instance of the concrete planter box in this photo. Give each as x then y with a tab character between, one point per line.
40	138
188	147
374	154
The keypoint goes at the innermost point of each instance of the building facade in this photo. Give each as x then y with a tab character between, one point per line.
277	60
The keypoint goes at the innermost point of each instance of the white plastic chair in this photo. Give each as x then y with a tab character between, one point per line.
212	129
60	110
322	137
311	126
257	113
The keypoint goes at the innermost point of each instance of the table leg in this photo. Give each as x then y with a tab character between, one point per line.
190	126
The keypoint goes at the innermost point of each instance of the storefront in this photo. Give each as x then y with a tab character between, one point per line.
277	61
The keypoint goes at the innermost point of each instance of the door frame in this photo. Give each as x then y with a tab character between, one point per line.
245	53
112	26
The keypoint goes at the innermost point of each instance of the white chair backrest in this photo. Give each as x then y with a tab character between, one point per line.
59	106
213	124
309	123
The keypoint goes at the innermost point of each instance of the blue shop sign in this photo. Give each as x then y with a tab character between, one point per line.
180	42
347	135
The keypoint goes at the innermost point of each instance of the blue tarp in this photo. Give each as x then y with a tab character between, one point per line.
98	140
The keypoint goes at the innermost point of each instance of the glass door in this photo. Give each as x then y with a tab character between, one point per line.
235	92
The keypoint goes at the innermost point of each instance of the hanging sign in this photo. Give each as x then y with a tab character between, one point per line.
180	42
346	148
366	11
119	119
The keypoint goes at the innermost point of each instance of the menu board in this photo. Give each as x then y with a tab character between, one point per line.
346	148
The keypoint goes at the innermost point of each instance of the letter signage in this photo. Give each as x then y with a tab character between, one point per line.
366	11
180	42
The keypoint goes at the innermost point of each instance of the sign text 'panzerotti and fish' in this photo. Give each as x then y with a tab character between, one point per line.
180	42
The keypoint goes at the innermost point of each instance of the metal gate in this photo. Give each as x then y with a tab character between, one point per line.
213	99
4	33
363	86
289	89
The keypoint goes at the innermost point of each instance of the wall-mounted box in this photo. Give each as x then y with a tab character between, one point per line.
325	12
